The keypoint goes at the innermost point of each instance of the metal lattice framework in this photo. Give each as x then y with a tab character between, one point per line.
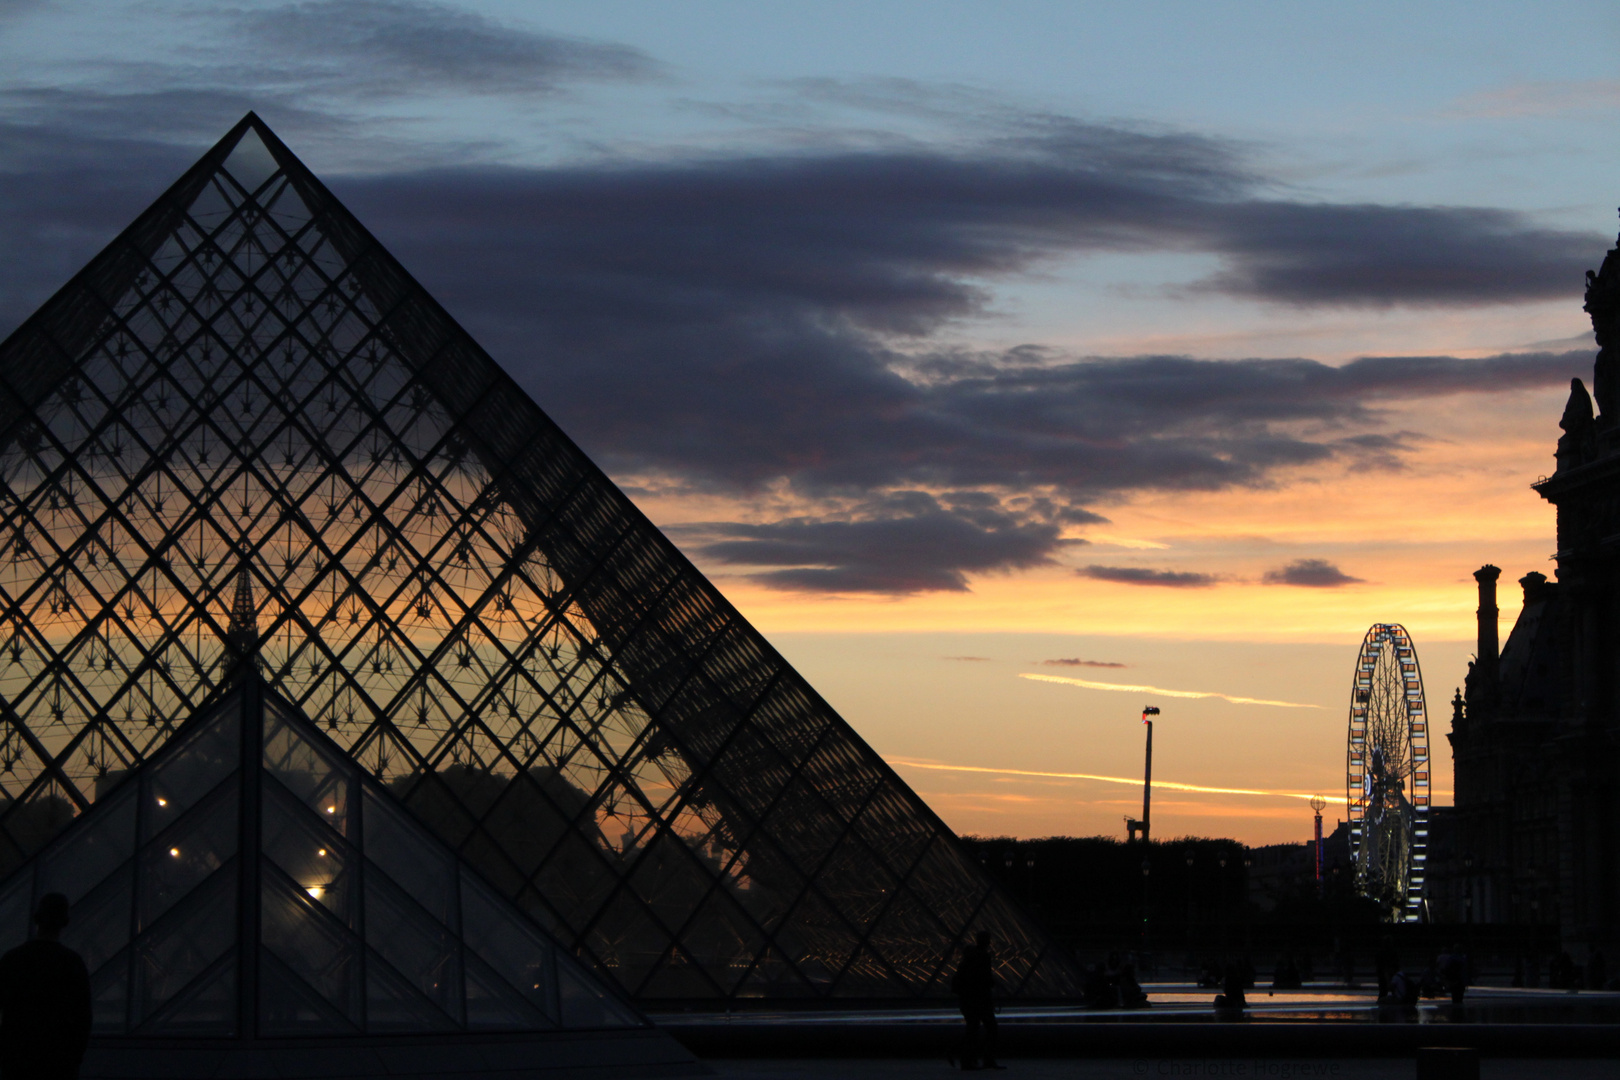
1387	784
250	881
452	590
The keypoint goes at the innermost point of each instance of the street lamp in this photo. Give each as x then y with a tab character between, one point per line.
1147	771
1468	889
1318	804
1147	868
1188	880
1248	936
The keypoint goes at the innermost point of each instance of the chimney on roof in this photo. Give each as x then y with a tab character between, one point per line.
1535	587
1485	657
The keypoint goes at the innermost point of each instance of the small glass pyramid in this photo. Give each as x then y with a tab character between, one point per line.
456	596
250	879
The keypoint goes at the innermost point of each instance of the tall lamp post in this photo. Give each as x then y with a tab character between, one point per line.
1147	771
1318	804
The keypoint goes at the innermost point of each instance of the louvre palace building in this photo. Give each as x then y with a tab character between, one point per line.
1536	734
348	701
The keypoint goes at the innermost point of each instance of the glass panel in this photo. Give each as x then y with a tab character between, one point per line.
721	940
392	1004
494	1006
207	1007
195	934
298	931
91	852
197	846
312	855
194	769
109	997
313	773
16	911
416	863
677	977
506	941
586	1005
250	162
774	977
287	1005
99	926
420	950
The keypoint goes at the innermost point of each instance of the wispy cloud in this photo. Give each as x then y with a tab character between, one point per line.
1141	575
1134	781
397	47
1087	684
1075	661
1545	98
969	659
1311	574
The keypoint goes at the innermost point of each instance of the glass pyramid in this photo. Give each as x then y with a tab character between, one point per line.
250	878
453	592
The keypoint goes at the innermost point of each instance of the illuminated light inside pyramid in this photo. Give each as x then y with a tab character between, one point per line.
247	384
365	924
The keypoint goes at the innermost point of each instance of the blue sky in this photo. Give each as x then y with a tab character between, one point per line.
1142	323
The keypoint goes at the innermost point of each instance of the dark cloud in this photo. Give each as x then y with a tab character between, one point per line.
1310	254
732	324
397	46
786	309
1136	575
1077	662
1310	573
908	543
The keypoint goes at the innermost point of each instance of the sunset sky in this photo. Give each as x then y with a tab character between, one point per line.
1163	345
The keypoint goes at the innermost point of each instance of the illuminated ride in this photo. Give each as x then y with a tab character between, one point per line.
1387	785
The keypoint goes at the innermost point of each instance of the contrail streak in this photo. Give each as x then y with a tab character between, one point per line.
1162	692
1132	781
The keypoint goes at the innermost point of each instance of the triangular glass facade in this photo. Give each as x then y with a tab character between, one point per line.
250	880
453	592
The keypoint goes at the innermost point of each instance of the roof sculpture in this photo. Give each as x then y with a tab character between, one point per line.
244	395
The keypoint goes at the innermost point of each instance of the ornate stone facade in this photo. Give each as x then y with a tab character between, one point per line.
1536	738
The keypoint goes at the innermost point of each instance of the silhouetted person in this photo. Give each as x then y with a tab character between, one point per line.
1286	976
1597	972
1561	972
1399	1001
1386	963
45	1001
973	984
1454	973
1232	1001
1122	975
1098	990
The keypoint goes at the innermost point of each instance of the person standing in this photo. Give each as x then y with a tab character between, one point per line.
974	984
44	1002
1454	972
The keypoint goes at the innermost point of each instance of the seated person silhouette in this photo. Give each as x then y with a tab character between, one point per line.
1233	1001
44	1002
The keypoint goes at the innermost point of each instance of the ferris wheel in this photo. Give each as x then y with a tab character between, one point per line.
1387	787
